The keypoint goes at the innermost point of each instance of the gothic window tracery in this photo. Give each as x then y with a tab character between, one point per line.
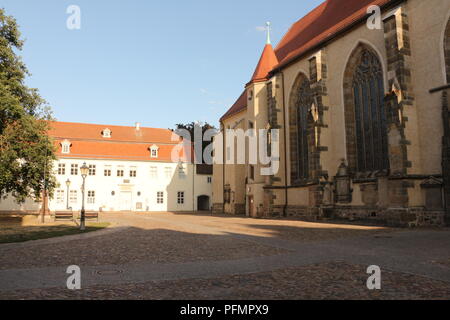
367	144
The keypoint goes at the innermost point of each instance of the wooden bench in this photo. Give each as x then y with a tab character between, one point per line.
90	215
64	216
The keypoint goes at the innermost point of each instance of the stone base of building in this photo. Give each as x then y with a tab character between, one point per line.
394	217
239	209
217	208
236	209
304	213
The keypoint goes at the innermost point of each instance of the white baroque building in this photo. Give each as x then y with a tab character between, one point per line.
130	169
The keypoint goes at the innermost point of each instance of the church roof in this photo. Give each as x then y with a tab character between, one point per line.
322	24
125	143
317	27
238	106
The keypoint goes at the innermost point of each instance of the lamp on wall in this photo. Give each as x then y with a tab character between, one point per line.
84	172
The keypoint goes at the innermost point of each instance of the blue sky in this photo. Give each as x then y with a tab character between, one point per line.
154	62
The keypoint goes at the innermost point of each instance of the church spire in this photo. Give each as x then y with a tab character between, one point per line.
268	32
267	61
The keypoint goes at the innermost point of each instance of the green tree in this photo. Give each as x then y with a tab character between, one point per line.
26	151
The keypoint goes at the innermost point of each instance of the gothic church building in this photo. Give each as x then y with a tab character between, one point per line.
363	116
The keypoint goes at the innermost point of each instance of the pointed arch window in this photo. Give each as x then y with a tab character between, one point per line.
369	115
447	50
303	129
303	159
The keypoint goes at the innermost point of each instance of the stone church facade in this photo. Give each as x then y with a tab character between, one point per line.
363	115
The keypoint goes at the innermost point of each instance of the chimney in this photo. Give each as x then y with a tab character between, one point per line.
138	126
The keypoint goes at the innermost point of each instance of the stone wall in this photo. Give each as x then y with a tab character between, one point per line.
217	208
304	213
393	217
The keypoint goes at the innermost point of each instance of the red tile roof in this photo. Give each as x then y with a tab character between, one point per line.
320	25
70	130
266	63
126	143
238	106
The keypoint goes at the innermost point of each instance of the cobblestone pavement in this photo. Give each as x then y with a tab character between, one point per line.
184	256
334	280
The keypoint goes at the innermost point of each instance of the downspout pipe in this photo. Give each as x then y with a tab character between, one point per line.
223	168
286	194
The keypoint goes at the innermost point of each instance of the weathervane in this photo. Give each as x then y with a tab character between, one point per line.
268	32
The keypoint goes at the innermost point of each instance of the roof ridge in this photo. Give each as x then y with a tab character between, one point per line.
107	125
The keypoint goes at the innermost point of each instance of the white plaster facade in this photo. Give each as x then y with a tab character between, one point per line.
130	170
129	193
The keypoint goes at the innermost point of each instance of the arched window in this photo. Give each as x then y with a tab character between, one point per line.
301	131
365	115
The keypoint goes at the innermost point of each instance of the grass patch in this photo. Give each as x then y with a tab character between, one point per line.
28	233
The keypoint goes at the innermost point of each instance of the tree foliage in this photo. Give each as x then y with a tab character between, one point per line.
190	127
26	151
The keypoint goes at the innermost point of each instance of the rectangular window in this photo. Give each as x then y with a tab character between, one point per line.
209	179
91	197
92	169
73	196
133	172
154	172
61	168
65	149
252	172
154	153
74	169
59	196
168	172
181	172
180	197
160	197
108	171
120	172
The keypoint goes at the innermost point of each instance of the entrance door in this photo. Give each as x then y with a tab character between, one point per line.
125	201
203	203
251	206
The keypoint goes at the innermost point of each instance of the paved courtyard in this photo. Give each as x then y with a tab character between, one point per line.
189	256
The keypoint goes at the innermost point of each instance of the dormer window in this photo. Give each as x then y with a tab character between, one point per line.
106	133
154	151
65	146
